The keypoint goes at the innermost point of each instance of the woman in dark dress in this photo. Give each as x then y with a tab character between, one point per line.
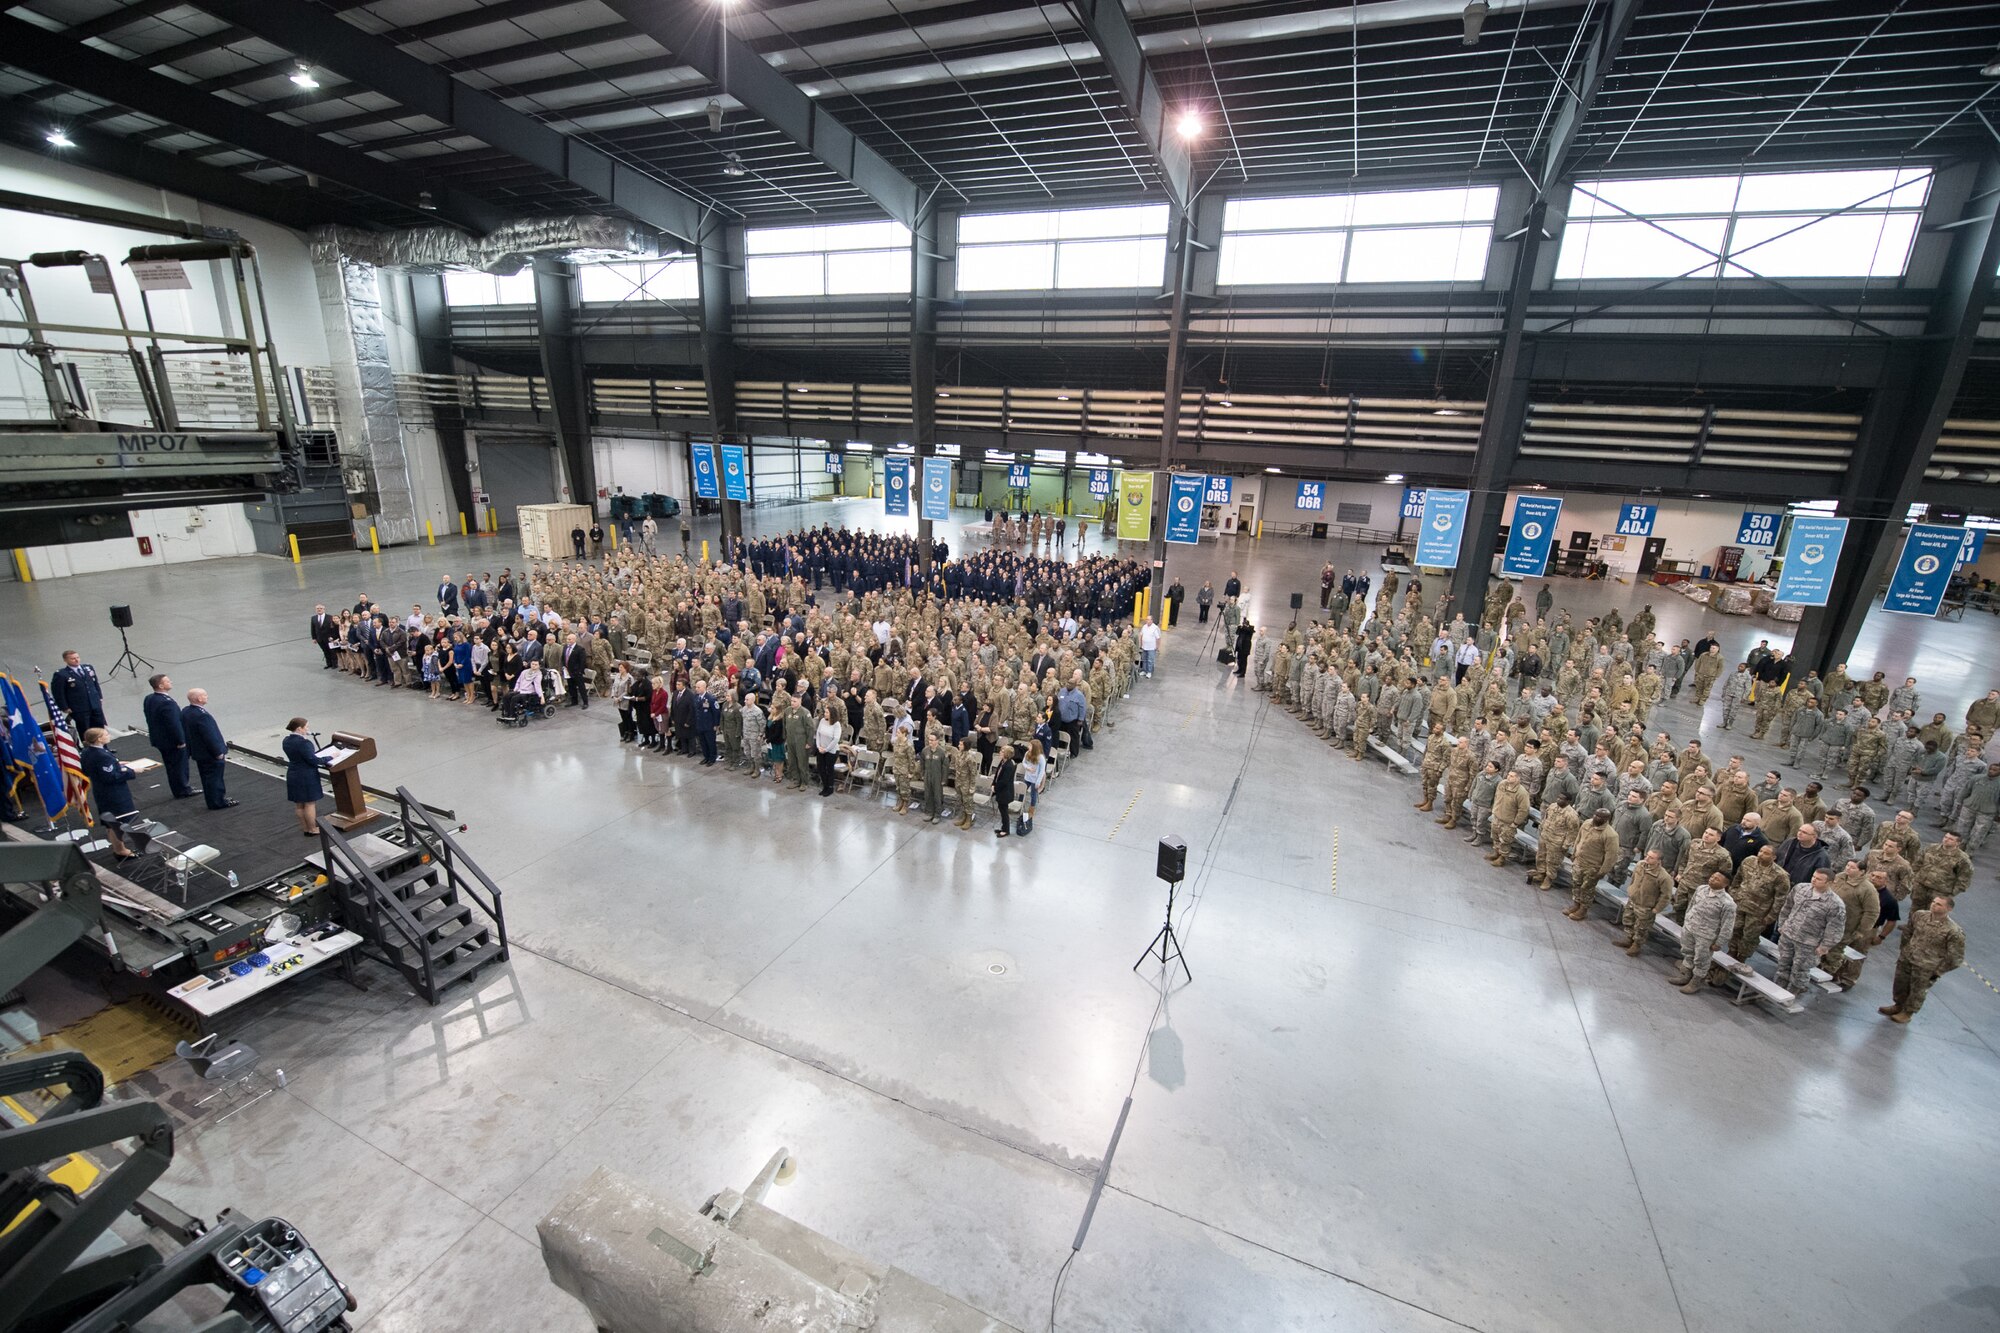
108	779
461	663
1003	786
302	786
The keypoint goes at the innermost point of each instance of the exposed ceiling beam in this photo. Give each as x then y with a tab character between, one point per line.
367	59
696	34
26	125
1111	33
1579	97
88	70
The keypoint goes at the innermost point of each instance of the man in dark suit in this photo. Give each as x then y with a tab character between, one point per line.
206	747
78	693
574	660
324	631
166	734
447	596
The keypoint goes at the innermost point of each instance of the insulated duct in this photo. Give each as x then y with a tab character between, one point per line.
506	250
370	424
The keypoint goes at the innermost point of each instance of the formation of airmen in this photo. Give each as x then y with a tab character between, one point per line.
1520	712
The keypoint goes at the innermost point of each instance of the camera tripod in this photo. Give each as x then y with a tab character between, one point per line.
128	659
1166	946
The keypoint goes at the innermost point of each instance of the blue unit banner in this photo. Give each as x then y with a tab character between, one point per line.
937	489
1444	528
1219	490
705	484
735	473
1975	546
896	487
1636	520
1758	528
1184	507
1017	476
834	465
1811	552
1532	534
1413	502
1102	487
1930	554
1312	495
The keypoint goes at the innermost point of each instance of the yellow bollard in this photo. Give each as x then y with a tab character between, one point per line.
1260	531
293	538
463	530
614	535
373	544
493	520
704	550
430	537
21	565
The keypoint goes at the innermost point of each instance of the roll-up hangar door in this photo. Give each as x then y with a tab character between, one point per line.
515	471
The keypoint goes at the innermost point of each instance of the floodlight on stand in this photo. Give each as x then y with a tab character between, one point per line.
1475	19
302	75
58	139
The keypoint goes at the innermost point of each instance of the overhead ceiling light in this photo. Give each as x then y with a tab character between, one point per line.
1393	476
714	116
1062	397
1190	125
1224	402
58	139
303	76
1991	69
801	388
1475	19
732	164
944	393
426	202
1446	412
1274	469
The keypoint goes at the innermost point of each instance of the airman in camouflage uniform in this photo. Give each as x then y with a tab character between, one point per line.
1865	754
1457	781
1558	832
1734	691
1759	887
903	763
1810	924
1943	871
1596	851
1362	726
1932	945
965	779
1711	919
1705	857
1651	887
1485	788
1510	812
1431	772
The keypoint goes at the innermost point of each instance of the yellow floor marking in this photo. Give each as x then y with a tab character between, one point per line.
1127	815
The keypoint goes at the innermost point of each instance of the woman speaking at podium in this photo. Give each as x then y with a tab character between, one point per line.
302	786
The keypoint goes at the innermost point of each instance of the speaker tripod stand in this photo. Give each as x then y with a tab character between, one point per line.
1166	946
128	659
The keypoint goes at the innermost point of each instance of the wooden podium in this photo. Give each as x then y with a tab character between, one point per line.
350	803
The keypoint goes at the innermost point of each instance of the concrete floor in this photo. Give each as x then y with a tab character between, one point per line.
1397	1095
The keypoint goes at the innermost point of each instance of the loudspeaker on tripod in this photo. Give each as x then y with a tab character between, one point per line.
121	617
1298	600
1172	865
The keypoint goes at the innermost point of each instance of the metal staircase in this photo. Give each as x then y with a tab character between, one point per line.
429	911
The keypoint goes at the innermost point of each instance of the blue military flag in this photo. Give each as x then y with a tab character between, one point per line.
33	761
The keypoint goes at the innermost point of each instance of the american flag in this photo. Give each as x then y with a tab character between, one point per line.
76	787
